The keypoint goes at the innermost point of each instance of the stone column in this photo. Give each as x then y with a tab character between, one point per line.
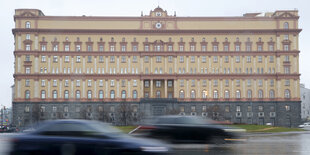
165	89
151	92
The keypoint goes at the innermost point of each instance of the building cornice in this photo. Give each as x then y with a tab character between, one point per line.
161	31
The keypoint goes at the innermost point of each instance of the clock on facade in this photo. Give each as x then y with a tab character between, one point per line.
158	25
158	13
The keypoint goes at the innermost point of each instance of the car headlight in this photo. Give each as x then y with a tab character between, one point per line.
154	149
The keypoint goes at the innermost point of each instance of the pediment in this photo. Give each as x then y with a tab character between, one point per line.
28	14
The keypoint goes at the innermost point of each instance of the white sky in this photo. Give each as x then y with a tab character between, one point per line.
134	8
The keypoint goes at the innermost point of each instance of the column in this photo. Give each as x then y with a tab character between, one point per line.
151	93
142	90
106	88
36	64
166	89
175	82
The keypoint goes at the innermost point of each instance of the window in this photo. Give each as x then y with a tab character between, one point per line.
55	59
204	94
226	59
100	94
215	83
78	59
43	58
66	94
27	94
285	25
271	94
89	93
271	59
101	48
181	94
260	108
287	70
27	25
249	83
78	83
146	48
67	47
226	94
112	94
287	93
260	93
27	36
134	94
237	82
203	48
43	94
112	59
28	47
287	108
237	47
249	93
215	94
170	83
181	59
146	59
66	83
158	94
123	94
158	84
181	48
238	94
54	83
215	59
112	48
193	83
215	48
54	94
112	83
259	47
271	48
193	94
204	59
248	59
181	83
237	59
287	82
260	59
248	47
238	108
192	48
66	109
169	47
89	83
146	84
271	82
27	70
158	58
192	59
77	94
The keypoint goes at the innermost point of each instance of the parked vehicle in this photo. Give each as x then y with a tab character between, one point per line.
305	125
80	137
188	129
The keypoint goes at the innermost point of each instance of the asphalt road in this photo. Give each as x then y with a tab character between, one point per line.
259	144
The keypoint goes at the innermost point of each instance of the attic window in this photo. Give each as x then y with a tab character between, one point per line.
285	25
28	25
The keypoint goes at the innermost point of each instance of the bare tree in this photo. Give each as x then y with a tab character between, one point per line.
124	113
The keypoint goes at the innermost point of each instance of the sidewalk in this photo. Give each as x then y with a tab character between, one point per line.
266	134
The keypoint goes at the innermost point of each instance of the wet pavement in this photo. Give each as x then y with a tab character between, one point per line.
257	144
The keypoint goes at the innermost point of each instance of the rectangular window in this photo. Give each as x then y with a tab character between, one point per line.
54	83
112	59
66	83
101	59
146	48
215	59
226	48
215	48
271	82
158	84
271	48
89	59
28	47
27	82
271	59
78	48
101	48
55	59
238	82
134	59
169	58
78	58
123	83
43	58
43	47
27	58
158	58
237	48
287	70
112	83
226	83
89	48
134	48
146	58
181	83
67	47
112	48
248	59
134	83
260	83
89	83
215	83
259	48
287	82
146	84
192	59
123	48
42	83
170	83
237	59
248	48
286	48
249	83
55	48
203	48
204	83
123	59
192	48
170	48
260	59
181	48
193	83
67	58
226	59
27	70
181	59
78	83
204	59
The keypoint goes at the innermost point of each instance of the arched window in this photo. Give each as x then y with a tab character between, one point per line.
249	93
54	94
193	94
204	94
134	94
157	94
27	25
43	94
238	94
66	94
181	93
285	25
287	93
27	94
100	94
215	94
89	94
112	94
226	94
260	94
271	94
77	94
123	94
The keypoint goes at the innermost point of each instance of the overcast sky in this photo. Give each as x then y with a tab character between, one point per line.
134	8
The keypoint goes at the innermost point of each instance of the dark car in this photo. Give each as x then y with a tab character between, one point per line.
188	129
81	137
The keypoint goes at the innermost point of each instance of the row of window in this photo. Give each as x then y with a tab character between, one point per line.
159	59
215	48
158	94
78	94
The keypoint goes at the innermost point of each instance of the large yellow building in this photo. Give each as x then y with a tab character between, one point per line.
240	69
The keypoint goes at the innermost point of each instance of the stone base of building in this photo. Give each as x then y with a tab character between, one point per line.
130	113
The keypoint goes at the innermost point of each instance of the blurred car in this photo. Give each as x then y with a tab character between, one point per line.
305	125
81	137
189	129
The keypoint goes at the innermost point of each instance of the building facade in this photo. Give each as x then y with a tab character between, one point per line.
240	69
305	102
